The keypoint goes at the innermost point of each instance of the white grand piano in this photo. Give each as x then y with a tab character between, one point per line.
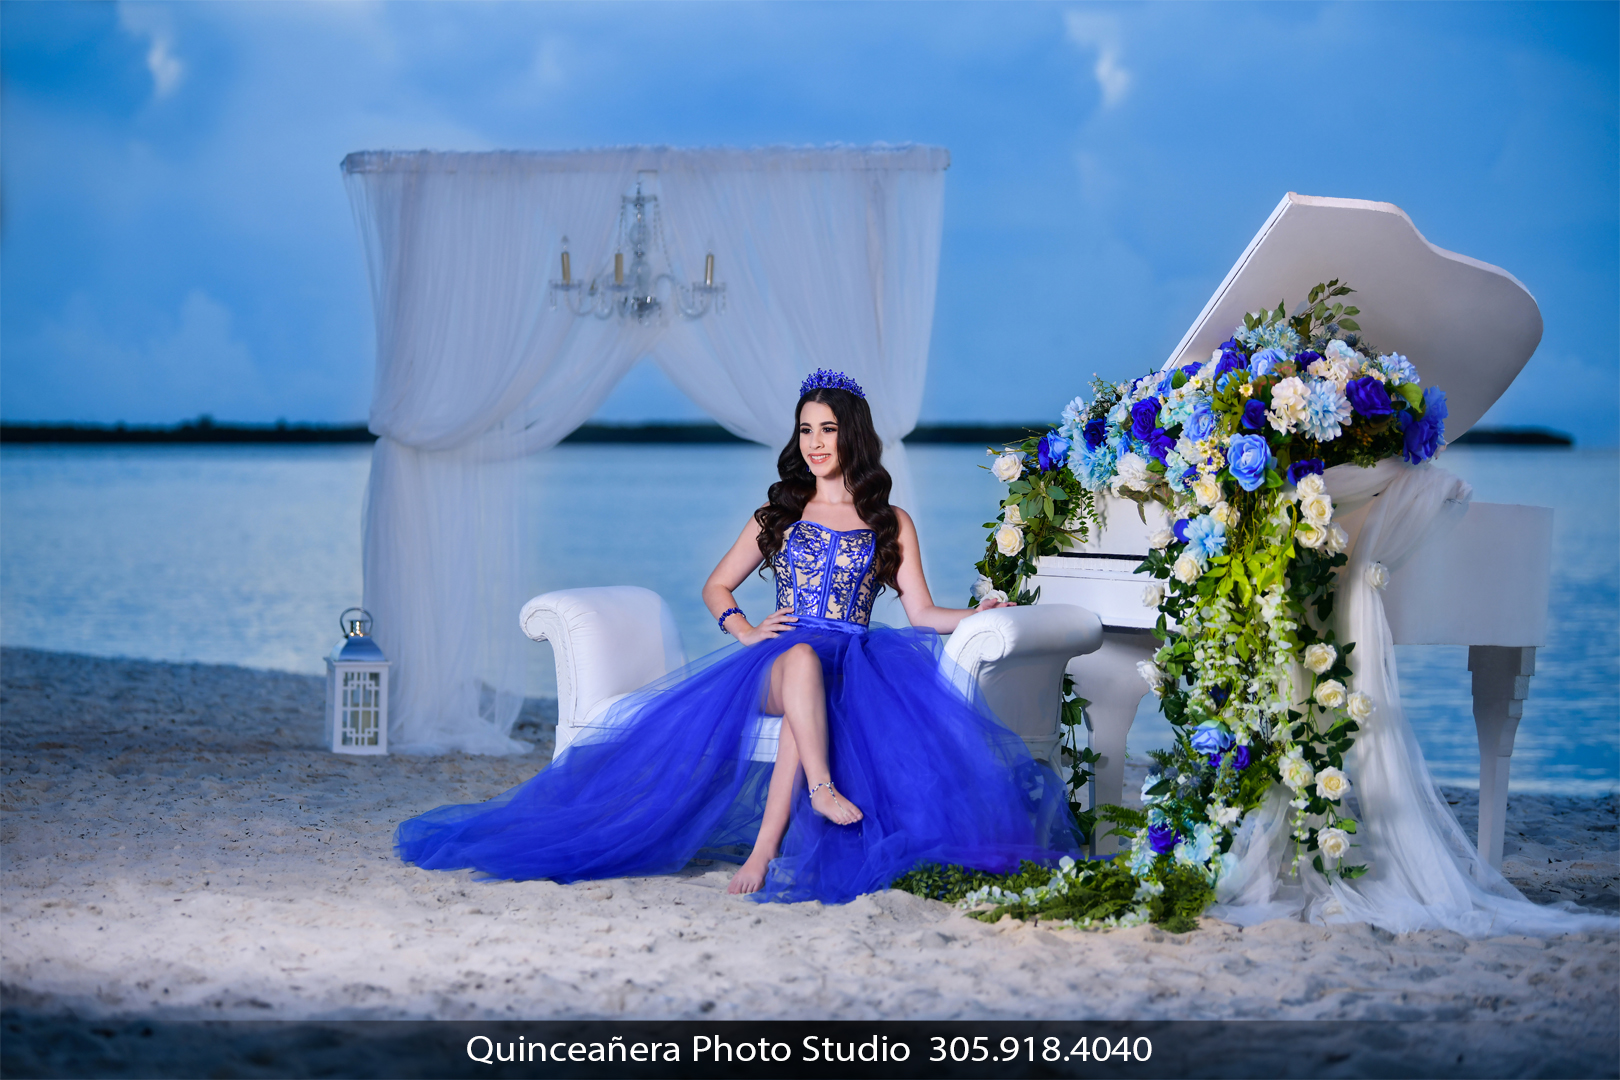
1469	328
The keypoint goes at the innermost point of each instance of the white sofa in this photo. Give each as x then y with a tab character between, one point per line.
611	641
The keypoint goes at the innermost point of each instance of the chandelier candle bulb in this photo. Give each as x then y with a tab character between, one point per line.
708	269
567	278
618	268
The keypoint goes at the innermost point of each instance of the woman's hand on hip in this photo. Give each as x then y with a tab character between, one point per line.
774	625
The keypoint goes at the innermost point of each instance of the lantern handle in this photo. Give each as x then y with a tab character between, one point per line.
360	627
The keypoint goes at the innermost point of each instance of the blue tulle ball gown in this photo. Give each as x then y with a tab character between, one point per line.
938	778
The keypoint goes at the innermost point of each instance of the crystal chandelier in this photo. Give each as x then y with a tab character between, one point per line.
633	290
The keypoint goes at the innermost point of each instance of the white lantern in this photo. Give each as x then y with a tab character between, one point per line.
357	690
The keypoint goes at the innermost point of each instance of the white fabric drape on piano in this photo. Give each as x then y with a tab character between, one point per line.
830	258
1423	872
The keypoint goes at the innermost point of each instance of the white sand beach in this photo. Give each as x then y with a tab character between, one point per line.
177	845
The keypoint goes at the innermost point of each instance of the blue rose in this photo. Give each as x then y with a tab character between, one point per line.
1051	451
1200	425
1265	361
1144	418
1210	739
1159	443
1240	759
1162	838
1219	694
1254	414
1304	467
1248	457
1095	432
1368	397
1305	359
1231	360
1422	436
1180	530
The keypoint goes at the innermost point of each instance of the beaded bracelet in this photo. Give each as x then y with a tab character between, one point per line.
726	614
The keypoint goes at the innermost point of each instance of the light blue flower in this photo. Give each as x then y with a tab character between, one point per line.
1175	471
1326	410
1093	468
1206	538
1265	361
1248	457
1398	369
1198	848
1278	336
1210	739
1147	782
1142	856
1201	424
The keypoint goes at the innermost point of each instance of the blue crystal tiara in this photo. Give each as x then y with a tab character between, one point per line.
825	379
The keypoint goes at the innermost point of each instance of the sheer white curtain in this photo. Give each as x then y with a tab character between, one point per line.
1423	872
473	371
830	259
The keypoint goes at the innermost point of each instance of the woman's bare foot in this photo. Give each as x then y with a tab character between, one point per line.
752	875
825	800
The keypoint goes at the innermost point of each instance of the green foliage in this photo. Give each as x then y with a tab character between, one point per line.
950	883
1089	893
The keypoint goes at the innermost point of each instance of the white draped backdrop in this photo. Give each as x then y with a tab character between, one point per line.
830	258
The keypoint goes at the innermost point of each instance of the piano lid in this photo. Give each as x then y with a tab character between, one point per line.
1468	327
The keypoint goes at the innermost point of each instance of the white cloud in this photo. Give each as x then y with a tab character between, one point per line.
82	366
1093	30
152	23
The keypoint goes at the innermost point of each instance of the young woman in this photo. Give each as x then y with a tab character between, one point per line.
882	762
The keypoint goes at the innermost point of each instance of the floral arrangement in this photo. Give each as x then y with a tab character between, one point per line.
1255	686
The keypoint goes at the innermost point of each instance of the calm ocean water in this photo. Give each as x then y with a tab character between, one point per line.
245	555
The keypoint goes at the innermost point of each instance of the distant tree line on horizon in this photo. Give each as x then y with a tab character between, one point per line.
205	430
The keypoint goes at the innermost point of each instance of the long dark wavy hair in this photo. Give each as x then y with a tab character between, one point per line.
860	458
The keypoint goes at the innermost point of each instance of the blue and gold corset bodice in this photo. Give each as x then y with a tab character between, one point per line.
822	573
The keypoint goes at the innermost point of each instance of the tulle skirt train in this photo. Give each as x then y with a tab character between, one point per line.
938	778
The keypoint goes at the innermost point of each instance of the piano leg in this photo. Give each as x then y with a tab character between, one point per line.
1109	680
1501	683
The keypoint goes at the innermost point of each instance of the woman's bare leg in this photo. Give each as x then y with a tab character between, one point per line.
778	802
797	692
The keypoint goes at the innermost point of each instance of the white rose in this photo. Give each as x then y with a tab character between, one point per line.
1287	403
1131	471
1152	674
1153	595
1161	539
1332	784
1013	516
1317	508
1009	539
1337	539
1378	575
982	587
1330	693
1320	657
1187	569
1361	706
1207	490
1311	536
1008	467
1226	514
1310	485
994	594
1334	843
1296	771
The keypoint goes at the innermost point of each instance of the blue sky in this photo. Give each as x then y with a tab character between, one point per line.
177	239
